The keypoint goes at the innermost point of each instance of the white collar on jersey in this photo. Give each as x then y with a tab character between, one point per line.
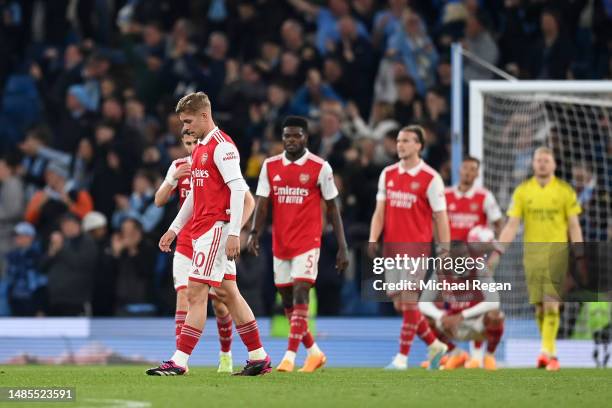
413	171
299	162
467	194
209	135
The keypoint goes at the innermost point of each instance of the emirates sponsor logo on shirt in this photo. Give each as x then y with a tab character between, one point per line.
290	195
401	199
200	173
198	176
204	158
463	220
304	177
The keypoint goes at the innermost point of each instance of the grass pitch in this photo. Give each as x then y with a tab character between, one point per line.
128	386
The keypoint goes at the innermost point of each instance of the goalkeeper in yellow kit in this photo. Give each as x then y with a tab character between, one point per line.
549	210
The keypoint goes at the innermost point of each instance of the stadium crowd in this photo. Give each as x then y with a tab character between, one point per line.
88	129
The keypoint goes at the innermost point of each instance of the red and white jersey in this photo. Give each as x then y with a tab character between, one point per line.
183	186
214	163
456	301
477	206
297	188
411	197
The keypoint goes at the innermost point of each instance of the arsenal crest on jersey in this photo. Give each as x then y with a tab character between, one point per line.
304	177
204	158
415	185
452	207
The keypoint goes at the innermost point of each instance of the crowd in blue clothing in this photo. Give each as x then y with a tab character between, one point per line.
87	122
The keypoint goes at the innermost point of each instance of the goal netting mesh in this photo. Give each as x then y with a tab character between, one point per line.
579	130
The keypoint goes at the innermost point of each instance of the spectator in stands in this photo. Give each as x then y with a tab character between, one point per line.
308	98
356	55
479	41
408	107
26	283
140	204
77	120
70	264
595	202
58	197
327	19
135	257
11	204
552	55
387	22
381	121
103	298
292	35
332	142
413	46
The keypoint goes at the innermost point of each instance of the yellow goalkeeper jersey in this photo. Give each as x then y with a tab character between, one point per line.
544	210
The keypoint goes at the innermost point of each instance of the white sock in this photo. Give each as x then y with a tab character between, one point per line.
289	355
259	354
400	360
314	350
436	345
180	358
476	352
222	353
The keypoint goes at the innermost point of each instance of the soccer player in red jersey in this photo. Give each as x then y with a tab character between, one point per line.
295	182
178	178
466	313
467	207
410	194
215	207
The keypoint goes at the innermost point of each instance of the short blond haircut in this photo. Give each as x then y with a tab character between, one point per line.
193	102
544	150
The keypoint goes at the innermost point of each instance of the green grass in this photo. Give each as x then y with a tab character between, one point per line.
355	387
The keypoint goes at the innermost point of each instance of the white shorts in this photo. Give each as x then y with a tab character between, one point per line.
180	270
469	329
303	267
209	263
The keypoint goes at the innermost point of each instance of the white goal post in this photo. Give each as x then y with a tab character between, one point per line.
589	92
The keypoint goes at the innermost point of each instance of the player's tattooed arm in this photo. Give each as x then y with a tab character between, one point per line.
258	224
333	214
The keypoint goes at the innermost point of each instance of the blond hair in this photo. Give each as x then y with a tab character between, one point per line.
544	150
193	102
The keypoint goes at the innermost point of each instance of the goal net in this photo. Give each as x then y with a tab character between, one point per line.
508	121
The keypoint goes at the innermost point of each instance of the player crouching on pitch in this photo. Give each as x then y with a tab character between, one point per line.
464	314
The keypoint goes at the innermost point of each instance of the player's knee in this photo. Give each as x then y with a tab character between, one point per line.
182	300
301	292
219	307
197	295
550	307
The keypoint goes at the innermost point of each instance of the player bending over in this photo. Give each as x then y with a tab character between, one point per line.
295	182
462	315
215	207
